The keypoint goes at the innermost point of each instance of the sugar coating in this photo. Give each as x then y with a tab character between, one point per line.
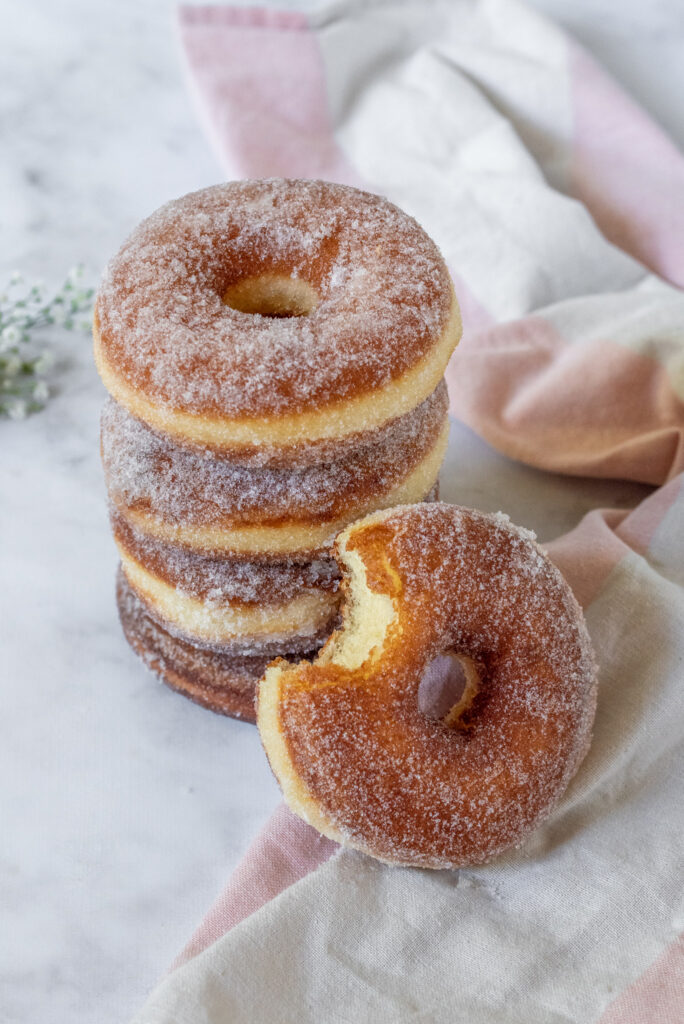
400	786
223	682
384	298
306	637
190	485
216	580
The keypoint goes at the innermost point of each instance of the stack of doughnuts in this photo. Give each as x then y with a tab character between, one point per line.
274	352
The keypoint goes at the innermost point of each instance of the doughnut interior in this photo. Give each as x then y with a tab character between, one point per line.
356	755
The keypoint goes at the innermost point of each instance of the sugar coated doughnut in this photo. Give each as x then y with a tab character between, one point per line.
190	497
207	577
273	621
438	600
218	680
274	313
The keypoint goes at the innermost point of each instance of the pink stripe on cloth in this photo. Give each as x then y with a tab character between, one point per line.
474	316
588	554
657	997
285	850
626	171
591	408
638	528
260	88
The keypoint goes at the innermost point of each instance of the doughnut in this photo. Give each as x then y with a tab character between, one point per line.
189	497
369	750
276	314
223	683
207	577
276	622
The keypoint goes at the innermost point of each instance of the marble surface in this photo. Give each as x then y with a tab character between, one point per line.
123	808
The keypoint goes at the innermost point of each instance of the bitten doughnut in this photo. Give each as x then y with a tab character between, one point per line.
368	755
275	314
186	496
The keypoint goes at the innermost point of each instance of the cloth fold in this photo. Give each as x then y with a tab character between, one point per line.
557	204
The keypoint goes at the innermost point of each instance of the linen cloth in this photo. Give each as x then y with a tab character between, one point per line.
558	205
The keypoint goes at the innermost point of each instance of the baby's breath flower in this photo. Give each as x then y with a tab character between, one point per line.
60	316
24	311
44	362
9	337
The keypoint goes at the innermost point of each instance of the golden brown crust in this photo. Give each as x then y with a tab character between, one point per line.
345	735
164	332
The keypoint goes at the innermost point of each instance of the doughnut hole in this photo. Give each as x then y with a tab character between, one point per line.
272	295
448	687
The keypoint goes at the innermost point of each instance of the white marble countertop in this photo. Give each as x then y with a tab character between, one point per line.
123	808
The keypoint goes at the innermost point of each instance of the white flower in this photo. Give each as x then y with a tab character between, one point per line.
9	337
45	361
60	315
17	410
24	386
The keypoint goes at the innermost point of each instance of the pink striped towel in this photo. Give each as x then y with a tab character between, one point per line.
558	206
